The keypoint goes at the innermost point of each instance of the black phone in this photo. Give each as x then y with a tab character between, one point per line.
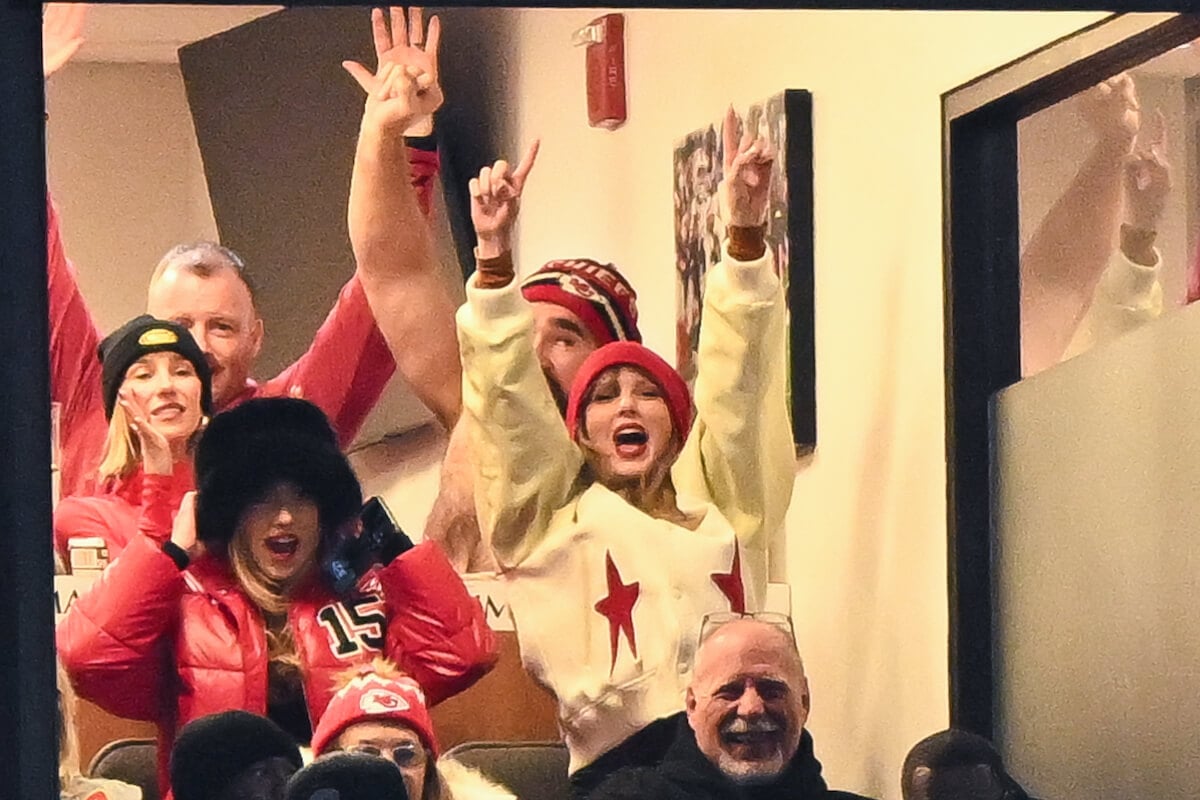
379	540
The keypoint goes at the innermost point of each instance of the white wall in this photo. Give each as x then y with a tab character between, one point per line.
124	168
866	536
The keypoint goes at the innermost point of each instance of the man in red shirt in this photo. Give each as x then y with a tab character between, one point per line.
204	287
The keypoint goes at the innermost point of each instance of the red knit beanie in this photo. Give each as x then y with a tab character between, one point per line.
597	293
632	354
371	697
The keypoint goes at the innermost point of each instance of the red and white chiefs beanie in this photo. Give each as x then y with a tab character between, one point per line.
371	697
597	293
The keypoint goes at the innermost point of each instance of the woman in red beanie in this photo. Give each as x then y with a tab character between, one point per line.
618	533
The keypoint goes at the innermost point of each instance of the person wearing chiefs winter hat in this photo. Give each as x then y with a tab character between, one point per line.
234	610
617	533
578	305
381	712
157	396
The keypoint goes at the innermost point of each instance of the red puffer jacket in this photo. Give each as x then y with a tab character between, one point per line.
151	642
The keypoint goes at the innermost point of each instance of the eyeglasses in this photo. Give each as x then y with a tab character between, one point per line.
405	756
713	622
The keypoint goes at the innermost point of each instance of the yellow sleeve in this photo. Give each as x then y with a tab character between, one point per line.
739	455
525	464
1127	297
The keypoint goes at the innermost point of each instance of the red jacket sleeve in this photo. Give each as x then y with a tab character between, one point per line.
436	631
114	641
113	520
346	367
74	365
349	363
423	167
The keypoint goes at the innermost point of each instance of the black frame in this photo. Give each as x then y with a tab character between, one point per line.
802	350
982	302
978	360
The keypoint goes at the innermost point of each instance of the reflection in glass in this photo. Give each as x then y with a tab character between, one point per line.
1107	229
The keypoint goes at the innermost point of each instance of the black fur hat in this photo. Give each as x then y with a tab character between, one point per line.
261	443
211	752
347	776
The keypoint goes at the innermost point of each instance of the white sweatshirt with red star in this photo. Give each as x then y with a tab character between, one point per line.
606	600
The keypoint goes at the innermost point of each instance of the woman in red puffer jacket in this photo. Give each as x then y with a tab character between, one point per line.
234	610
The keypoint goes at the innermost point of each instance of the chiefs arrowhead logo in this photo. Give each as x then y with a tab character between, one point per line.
382	701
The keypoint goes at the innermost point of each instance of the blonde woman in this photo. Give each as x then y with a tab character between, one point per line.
235	610
157	395
617	533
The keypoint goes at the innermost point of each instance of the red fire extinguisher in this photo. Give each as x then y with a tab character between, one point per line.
605	41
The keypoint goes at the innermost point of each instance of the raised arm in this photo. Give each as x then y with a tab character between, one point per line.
740	454
525	463
393	246
74	368
1071	247
1129	294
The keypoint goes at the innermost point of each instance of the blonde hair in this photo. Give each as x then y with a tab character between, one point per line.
271	597
122	453
383	667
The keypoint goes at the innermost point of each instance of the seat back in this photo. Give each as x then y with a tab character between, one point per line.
531	770
133	761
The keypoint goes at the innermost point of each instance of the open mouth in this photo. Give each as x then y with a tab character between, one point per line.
283	545
630	440
751	739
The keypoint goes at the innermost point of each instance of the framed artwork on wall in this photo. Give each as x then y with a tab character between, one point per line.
785	119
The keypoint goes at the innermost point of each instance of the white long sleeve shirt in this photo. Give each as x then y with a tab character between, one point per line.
606	600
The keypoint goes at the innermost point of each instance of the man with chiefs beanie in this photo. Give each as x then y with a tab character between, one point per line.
381	712
578	305
617	534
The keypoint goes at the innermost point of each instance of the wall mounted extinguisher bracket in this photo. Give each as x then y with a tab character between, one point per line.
604	39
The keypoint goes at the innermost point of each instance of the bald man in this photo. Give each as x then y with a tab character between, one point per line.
742	736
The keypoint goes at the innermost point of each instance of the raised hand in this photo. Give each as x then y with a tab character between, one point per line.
155	449
1148	177
746	182
1112	110
62	34
414	51
495	201
183	530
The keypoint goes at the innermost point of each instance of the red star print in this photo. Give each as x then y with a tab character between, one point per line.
617	607
730	583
